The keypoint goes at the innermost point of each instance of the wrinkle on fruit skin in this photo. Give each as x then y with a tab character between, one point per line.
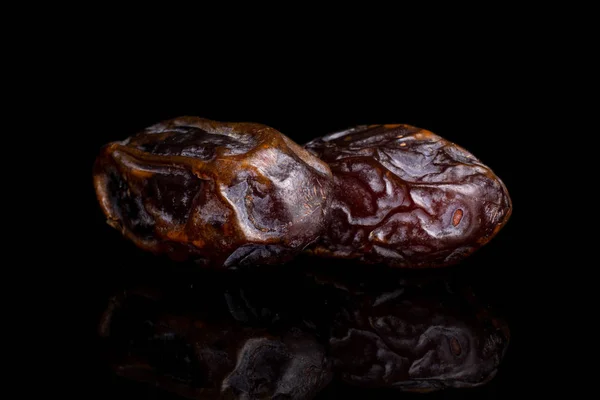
406	197
200	189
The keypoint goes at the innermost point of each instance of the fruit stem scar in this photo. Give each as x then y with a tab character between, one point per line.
458	214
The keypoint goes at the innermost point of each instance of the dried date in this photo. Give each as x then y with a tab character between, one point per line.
223	194
406	197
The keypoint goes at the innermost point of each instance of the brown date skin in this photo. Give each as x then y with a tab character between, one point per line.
407	198
222	194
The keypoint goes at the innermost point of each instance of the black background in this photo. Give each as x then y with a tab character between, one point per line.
481	107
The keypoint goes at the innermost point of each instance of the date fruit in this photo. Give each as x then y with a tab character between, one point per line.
222	194
406	197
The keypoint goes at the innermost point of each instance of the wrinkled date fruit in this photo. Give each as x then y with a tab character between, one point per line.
406	197
223	194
